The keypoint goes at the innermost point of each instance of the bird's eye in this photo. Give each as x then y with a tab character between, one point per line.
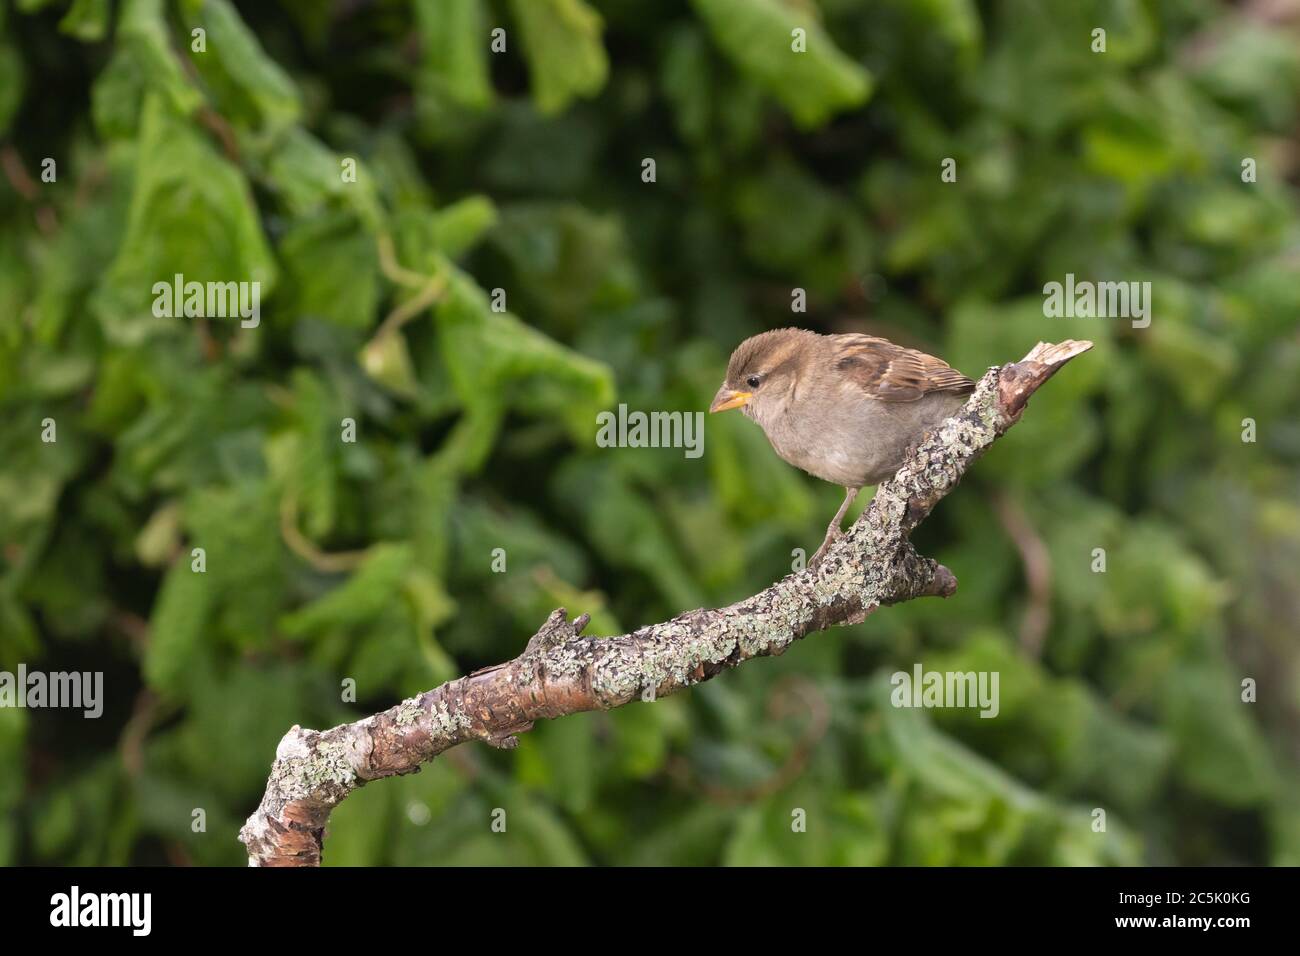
753	381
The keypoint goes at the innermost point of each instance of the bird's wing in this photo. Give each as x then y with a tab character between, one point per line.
891	373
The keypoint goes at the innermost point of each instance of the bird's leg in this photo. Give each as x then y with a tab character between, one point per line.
833	529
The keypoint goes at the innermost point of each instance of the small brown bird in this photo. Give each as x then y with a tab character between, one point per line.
844	408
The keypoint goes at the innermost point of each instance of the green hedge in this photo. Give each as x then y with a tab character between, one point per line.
522	171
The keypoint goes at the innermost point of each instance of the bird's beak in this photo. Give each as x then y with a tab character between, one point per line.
726	398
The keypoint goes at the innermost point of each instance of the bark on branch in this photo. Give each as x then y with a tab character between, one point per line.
560	672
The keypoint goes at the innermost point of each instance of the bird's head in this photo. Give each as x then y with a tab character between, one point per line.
763	371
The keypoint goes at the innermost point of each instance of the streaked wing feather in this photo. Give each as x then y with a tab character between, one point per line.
892	373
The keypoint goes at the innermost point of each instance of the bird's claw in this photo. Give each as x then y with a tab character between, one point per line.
831	537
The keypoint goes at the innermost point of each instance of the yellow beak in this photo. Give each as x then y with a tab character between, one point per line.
726	398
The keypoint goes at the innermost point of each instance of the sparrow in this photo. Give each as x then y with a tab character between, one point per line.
845	408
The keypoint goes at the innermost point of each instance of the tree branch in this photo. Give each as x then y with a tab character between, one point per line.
560	672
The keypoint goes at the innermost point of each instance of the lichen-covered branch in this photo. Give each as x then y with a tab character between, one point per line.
560	672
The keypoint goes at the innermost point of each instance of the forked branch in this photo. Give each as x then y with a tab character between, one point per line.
560	672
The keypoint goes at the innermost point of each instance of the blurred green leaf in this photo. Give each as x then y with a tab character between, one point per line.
191	215
246	83
759	36
454	44
87	20
367	592
562	41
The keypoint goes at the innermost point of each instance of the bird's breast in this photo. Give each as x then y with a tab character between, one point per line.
853	442
831	444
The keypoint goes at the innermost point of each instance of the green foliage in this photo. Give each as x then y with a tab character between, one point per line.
759	36
460	265
562	43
